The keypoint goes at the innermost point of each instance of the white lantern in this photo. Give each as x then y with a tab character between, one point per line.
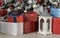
45	25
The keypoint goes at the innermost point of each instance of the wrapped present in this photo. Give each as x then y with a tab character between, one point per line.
34	26
30	27
27	27
26	17
20	28
10	19
32	16
56	25
14	19
19	18
9	28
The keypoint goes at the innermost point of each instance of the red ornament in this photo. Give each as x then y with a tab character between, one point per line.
1	3
10	19
39	1
20	18
19	0
48	10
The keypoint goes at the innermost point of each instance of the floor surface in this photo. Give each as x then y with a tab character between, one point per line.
31	35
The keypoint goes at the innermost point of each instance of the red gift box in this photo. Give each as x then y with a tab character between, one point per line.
20	18
56	25
10	19
35	26
27	27
26	17
32	16
30	27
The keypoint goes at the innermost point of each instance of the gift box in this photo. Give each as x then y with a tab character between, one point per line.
20	18
32	16
11	28
30	26
27	27
56	25
10	19
20	28
14	19
34	26
26	17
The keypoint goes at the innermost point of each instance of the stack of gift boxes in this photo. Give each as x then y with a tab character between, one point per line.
28	17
